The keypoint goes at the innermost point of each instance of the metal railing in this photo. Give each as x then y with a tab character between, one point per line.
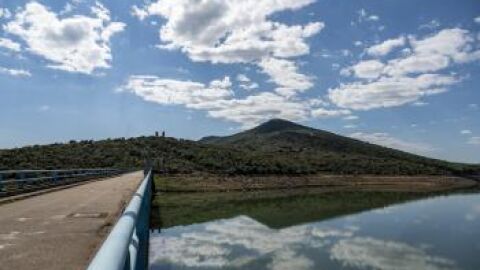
126	247
14	182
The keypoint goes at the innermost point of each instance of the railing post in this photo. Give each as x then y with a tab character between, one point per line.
20	176
55	177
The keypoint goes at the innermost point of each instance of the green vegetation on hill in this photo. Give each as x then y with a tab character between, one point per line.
275	147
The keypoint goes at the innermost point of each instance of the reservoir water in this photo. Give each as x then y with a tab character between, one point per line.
343	230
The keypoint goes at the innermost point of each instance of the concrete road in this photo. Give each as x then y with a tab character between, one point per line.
62	229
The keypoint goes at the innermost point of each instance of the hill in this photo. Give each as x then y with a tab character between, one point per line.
275	147
327	151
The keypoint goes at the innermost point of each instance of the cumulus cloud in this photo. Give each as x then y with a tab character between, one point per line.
5	13
367	252
389	91
10	44
167	91
15	72
326	113
386	140
246	83
76	44
217	99
370	69
285	74
243	78
465	132
230	31
436	52
255	109
386	47
409	77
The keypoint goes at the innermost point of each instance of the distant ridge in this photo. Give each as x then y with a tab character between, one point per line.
323	147
274	147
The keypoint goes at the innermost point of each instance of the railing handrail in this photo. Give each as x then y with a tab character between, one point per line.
13	182
56	170
125	244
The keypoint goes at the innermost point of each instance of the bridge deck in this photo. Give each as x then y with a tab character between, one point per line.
62	229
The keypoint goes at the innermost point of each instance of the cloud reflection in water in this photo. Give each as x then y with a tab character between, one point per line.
242	242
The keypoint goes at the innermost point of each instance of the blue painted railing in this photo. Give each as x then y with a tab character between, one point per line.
19	181
126	247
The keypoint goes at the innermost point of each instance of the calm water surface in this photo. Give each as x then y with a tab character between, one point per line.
442	232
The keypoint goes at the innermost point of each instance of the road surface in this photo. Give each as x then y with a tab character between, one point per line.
62	229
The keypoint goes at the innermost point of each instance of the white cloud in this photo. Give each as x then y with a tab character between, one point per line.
369	69
465	132
436	52
350	117
358	43
325	113
389	91
5	13
139	12
217	99
385	139
367	252
246	83
76	44
364	16
10	44
477	19
256	109
243	78
285	74
474	140
386	47
220	31
431	25
407	78
15	72
167	91
250	86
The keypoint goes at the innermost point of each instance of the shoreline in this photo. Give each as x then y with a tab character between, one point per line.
216	183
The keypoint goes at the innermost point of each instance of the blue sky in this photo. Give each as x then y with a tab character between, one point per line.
397	73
